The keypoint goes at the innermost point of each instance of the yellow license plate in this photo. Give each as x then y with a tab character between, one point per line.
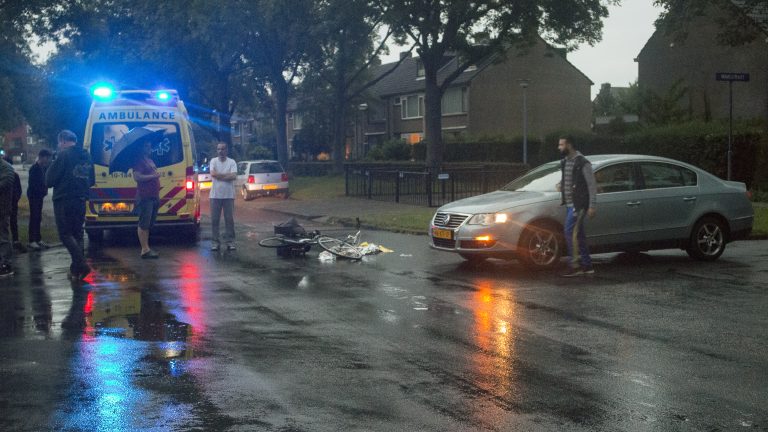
270	187
442	234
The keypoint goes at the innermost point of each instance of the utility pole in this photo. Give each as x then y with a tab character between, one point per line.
524	85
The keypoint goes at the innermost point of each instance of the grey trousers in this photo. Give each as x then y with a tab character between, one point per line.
228	207
6	246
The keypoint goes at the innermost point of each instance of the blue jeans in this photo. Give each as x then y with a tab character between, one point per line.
576	238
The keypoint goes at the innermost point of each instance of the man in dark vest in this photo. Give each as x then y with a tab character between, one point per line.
579	193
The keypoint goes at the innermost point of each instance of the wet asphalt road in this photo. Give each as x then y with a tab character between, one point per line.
408	341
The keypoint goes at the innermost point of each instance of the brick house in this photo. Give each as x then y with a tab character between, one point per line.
22	143
485	100
693	63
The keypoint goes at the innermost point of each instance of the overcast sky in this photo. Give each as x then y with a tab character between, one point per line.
625	32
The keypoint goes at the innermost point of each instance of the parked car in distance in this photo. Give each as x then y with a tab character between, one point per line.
643	203
261	178
204	177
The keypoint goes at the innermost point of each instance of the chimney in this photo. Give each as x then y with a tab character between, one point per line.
405	54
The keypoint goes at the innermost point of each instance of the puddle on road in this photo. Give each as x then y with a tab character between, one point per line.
131	353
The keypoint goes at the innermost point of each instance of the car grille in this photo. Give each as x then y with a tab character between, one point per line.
449	220
443	243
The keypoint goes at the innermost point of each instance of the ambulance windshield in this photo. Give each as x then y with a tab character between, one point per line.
167	151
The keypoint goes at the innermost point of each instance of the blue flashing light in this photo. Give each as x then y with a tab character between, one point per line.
103	92
163	96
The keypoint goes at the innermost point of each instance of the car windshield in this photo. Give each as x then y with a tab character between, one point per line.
541	179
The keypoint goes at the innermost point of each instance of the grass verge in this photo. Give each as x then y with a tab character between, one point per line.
308	188
409	221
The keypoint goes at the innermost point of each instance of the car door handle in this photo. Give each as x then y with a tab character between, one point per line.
689	199
633	203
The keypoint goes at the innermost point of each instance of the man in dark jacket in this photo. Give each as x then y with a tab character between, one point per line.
36	193
579	195
6	196
71	177
14	220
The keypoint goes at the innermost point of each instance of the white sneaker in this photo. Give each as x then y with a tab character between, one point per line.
34	246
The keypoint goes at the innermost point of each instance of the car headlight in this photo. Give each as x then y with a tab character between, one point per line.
488	219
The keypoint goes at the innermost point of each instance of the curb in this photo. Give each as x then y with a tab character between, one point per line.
344	222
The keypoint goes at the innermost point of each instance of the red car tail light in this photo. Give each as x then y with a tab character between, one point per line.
251	179
284	177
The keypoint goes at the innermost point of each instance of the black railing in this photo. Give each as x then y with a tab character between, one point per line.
424	187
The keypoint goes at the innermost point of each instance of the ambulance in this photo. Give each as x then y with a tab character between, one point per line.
115	113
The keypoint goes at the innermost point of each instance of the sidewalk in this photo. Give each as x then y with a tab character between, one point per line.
390	216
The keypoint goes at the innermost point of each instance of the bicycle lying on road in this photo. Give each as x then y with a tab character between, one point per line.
301	243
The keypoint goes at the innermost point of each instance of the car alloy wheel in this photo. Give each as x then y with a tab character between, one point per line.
543	248
710	239
540	246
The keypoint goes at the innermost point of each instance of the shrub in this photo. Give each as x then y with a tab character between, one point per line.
396	150
260	152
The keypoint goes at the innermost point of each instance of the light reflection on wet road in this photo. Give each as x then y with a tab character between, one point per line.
248	341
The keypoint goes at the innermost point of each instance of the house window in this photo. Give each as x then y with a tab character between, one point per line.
376	113
419	69
412	106
455	101
298	120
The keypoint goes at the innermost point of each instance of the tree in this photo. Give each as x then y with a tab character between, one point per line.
280	42
195	47
475	29
350	49
737	24
18	76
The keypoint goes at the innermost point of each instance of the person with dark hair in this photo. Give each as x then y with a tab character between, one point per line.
36	193
71	177
579	194
6	196
14	217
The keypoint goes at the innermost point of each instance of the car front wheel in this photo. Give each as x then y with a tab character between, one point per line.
707	240
541	247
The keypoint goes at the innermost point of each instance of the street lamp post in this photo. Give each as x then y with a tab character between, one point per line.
524	85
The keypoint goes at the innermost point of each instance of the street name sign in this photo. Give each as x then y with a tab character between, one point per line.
730	76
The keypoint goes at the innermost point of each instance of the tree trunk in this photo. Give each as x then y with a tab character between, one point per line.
339	129
281	106
433	121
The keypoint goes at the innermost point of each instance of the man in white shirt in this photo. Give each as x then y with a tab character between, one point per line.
224	174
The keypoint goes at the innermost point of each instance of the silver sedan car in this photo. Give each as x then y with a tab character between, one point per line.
643	203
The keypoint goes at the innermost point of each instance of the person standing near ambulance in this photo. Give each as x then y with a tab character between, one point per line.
147	197
223	174
36	193
71	176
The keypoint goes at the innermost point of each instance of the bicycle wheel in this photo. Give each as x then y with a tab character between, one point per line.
340	248
273	242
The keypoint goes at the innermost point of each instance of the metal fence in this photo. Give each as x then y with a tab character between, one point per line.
424	187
